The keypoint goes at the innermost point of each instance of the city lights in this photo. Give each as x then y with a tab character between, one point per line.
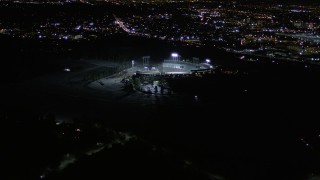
160	89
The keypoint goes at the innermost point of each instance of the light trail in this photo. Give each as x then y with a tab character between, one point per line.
121	24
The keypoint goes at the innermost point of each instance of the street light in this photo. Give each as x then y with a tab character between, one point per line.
208	60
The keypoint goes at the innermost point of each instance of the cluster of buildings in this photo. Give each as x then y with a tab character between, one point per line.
262	29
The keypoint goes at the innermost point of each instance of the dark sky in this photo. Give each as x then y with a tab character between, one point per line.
284	1
314	2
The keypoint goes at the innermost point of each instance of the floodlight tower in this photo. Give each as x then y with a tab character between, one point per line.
175	56
146	60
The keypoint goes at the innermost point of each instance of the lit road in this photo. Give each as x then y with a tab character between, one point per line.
121	24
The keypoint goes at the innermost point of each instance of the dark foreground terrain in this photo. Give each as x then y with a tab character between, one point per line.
261	125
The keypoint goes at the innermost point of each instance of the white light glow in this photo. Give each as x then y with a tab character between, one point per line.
174	55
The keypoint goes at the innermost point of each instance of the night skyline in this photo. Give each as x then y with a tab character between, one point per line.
206	90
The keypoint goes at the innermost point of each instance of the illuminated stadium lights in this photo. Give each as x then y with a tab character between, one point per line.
175	56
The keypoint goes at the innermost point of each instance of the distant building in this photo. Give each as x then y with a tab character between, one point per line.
298	24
